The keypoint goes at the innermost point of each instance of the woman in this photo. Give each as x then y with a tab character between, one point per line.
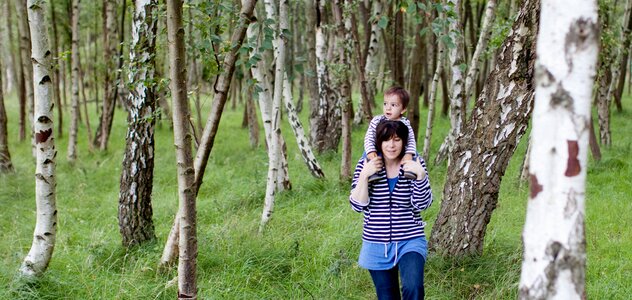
393	239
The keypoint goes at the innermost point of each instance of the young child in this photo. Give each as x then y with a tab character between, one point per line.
395	102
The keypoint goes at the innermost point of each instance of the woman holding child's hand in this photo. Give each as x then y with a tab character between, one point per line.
394	246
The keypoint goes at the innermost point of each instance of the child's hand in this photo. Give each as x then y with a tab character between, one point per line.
407	157
371	156
415	167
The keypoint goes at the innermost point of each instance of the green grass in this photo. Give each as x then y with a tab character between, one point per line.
310	246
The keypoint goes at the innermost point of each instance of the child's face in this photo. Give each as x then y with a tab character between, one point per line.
393	108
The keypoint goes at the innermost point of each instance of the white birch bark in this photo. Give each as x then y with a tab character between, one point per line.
71	154
554	262
45	232
457	88
274	151
431	102
299	132
481	46
372	62
27	67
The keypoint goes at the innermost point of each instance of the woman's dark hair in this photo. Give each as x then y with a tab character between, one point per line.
388	129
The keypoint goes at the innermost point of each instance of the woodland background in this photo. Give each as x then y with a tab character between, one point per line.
310	244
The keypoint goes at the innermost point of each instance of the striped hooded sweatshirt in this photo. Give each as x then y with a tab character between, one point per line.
393	216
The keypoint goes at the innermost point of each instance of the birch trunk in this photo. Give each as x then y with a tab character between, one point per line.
45	232
273	150
299	132
620	68
212	123
5	157
17	70
310	37
54	52
27	67
554	263
364	111
481	46
372	65
342	82
109	95
325	129
431	102
71	154
187	283
483	150
457	88
137	176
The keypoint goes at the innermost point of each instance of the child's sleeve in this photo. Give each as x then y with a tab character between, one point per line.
411	147
369	137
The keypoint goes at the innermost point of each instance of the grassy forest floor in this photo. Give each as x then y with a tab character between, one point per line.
310	246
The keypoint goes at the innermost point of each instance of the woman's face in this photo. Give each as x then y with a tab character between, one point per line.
392	148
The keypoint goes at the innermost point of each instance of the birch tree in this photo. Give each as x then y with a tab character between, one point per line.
483	150
325	129
481	46
5	157
457	88
212	124
137	176
372	62
554	263
187	259
71	154
25	59
109	95
273	148
45	232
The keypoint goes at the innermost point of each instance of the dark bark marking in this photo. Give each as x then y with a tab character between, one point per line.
572	165
581	35
45	79
44	119
536	188
43	135
561	97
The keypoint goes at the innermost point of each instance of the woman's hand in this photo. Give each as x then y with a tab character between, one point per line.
415	167
371	167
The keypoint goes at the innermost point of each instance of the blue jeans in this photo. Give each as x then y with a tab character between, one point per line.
411	271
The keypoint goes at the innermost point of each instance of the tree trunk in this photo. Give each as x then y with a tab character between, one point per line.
457	88
371	67
17	71
212	123
45	232
364	111
415	84
344	35
604	77
325	128
54	52
554	263
137	176
71	155
109	85
311	13
483	150
187	283
253	124
592	141
481	46
299	132
398	46
431	103
25	56
274	151
5	157
625	52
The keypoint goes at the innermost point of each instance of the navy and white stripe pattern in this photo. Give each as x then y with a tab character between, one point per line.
370	139
393	216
